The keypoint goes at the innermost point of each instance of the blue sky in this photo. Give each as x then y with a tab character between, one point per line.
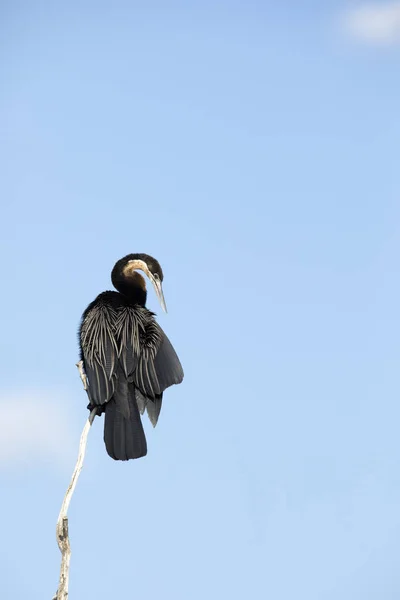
253	149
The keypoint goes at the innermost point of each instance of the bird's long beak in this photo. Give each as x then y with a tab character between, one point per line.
159	291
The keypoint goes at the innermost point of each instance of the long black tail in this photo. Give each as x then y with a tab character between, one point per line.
123	430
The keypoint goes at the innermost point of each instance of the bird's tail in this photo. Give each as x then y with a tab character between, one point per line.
123	430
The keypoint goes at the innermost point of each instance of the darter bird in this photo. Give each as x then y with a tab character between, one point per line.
127	358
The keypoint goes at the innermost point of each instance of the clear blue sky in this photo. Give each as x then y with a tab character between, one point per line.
253	149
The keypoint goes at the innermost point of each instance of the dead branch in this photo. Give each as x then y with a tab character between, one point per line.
62	522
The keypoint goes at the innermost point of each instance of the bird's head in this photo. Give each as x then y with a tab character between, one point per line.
125	275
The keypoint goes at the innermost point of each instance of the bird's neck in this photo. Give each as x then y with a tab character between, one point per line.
133	288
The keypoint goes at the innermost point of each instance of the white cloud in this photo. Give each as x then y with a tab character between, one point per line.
36	428
376	23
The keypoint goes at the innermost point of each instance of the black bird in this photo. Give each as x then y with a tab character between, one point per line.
127	358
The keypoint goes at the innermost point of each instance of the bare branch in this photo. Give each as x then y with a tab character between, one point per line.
62	522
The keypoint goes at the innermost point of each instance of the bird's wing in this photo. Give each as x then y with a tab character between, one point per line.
153	408
168	371
152	405
167	364
158	365
100	352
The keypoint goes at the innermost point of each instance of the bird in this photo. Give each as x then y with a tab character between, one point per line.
127	358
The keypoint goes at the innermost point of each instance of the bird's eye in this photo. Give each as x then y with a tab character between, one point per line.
156	276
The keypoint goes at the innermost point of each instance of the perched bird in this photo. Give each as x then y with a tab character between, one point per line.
127	358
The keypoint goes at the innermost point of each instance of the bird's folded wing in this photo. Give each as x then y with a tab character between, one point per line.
100	353
158	368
